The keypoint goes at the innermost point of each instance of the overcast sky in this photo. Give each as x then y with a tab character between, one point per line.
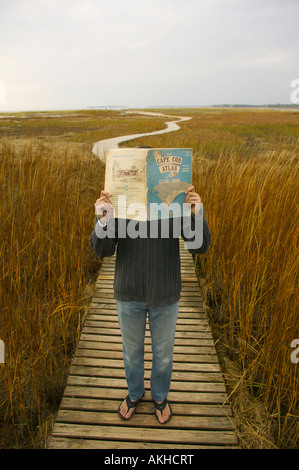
66	54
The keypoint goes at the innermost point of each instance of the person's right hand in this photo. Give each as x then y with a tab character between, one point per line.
104	207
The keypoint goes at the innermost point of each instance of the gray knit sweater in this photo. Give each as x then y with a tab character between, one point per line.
147	269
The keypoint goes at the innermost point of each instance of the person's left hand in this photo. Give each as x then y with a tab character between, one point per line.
194	199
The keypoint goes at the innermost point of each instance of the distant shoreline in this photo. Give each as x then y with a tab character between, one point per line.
275	107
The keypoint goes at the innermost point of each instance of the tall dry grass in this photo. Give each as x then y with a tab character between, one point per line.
46	214
246	170
251	277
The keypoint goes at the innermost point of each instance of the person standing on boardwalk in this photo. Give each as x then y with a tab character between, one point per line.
147	281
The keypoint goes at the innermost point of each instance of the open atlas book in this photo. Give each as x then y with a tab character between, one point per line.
148	184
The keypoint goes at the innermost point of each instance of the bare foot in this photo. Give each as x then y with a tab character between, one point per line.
163	415
124	411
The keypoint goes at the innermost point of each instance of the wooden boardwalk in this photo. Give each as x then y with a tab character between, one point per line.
87	417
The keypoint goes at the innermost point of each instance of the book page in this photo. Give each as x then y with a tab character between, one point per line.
125	180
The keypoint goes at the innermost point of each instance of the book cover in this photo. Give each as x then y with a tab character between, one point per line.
168	175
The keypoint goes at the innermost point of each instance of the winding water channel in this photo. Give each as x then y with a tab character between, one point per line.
102	146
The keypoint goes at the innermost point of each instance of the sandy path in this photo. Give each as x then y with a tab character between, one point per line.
100	148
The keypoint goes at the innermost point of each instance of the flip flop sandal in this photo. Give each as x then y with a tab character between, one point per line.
161	407
130	404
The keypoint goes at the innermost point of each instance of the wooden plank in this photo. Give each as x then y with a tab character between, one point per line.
120	393
74	443
190	409
118	363
104	308
118	339
181	327
86	381
183	324
144	434
198	316
91	327
120	373
118	347
177	357
144	420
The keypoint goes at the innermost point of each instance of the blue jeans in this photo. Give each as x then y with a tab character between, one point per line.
162	323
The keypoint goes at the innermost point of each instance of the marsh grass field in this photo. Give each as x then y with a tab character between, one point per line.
246	171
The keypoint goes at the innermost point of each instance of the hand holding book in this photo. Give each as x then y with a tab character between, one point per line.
104	207
194	199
